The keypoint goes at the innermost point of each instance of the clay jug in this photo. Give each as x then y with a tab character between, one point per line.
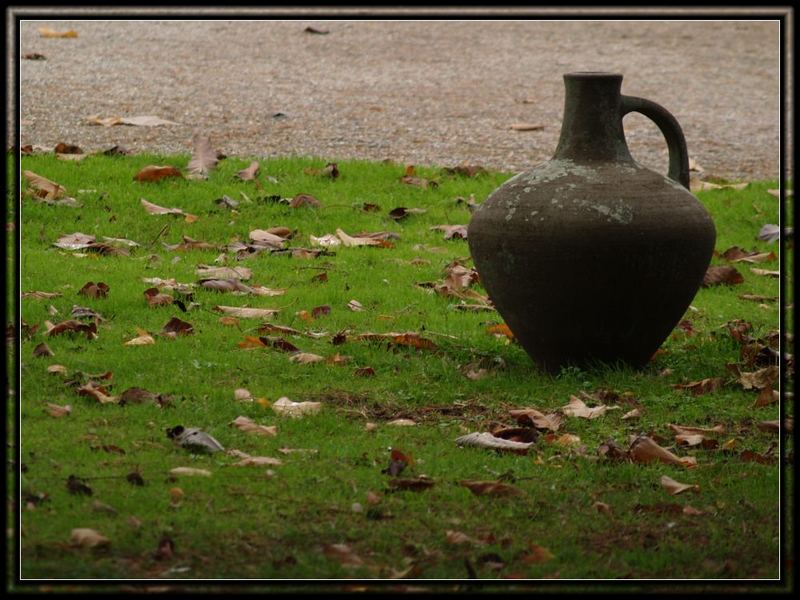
590	257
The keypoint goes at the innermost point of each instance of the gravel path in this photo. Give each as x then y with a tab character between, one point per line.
421	92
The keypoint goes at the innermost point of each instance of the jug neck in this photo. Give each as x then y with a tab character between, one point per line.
592	125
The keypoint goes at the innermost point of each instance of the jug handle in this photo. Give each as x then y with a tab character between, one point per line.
670	128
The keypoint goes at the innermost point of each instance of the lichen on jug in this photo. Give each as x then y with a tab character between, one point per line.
591	257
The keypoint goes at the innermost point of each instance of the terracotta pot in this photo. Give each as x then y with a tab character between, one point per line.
591	257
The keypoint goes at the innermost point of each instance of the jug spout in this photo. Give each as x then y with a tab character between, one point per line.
592	124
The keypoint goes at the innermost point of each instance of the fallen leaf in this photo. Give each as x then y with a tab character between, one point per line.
247	313
154	209
326	241
154	173
364	372
284	406
94	290
47	32
156	298
240	273
330	170
765	272
204	157
416	484
633	414
306	358
137	395
761	379
74	241
500	330
688	429
175	327
458	538
537	554
57	370
492	442
526	127
577	408
144	338
258	461
355	306
675	488
190	472
704	386
644	450
99	393
536	418
44	187
42	350
491	488
358	241
88	538
54	410
249	426
736	254
40	295
33	56
452	231
250	173
723	275
310	29
267	238
71	326
401	212
401	423
304	200
77	486
766	397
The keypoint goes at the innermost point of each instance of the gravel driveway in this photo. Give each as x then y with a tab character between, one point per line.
421	92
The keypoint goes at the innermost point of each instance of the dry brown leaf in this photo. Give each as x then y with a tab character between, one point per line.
536	418
258	461
37	295
206	272
644	450
401	423
766	397
306	358
491	488
765	378
688	429
355	306
139	121
487	440
458	538
765	272
44	187
633	414
724	275
99	393
154	209
602	507
144	338
54	410
88	538
500	330
250	173
57	370
284	406
74	241
304	200
175	327
204	158
156	298
326	241
249	426
675	488
736	254
537	554
704	386
47	32
265	237
452	231
247	313
577	408
71	326
190	471
357	241
94	290
153	173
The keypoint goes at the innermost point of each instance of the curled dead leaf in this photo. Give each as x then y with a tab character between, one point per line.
249	426
284	406
492	442
675	488
722	275
491	488
644	450
154	173
88	538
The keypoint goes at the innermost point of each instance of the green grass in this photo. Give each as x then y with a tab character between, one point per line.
242	523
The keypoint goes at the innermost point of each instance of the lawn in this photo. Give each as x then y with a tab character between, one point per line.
371	484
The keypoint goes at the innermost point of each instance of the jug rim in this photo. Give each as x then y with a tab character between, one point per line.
592	75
